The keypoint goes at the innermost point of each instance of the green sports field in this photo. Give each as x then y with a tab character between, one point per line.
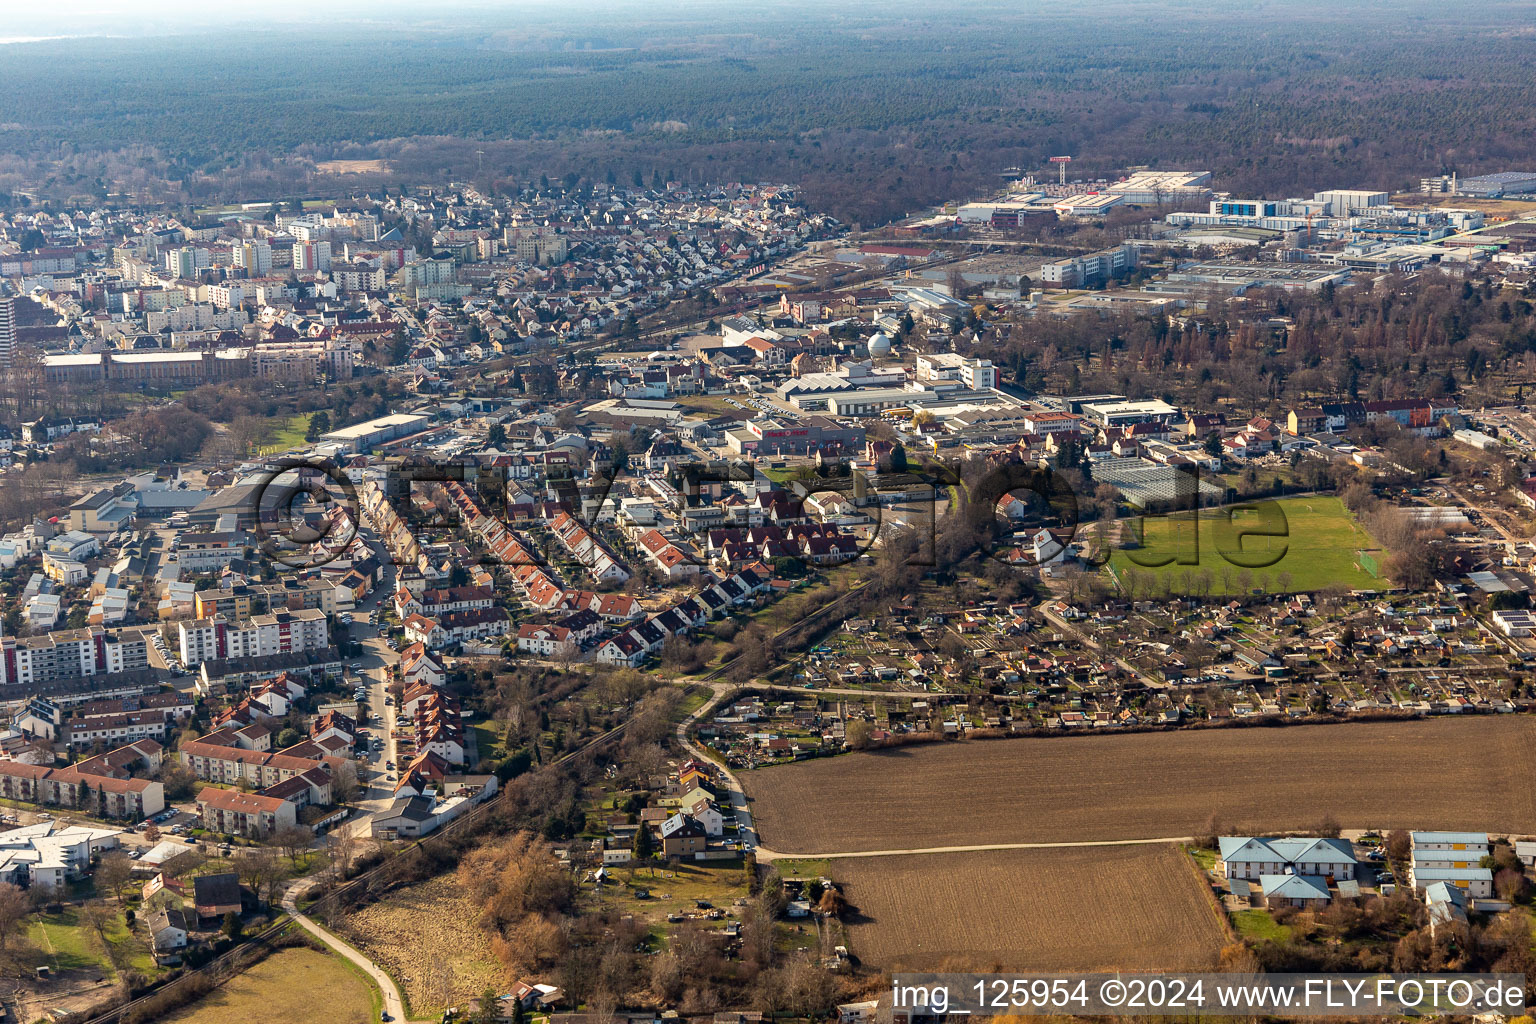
1288	544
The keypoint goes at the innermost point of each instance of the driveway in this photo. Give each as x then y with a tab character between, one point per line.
745	831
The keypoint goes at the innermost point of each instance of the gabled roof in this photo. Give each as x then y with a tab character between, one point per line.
1290	850
681	825
216	890
1469	838
1294	887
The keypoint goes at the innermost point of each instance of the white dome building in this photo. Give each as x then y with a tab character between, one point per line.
880	344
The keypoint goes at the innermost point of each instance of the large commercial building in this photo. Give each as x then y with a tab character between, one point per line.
1161	188
1237	276
811	390
1270	214
1491	186
797	437
1348	202
364	436
1124	413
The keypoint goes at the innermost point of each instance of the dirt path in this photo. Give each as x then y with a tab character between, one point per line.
764	854
394	1005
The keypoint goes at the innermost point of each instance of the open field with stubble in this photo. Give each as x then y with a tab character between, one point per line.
1113	908
1448	773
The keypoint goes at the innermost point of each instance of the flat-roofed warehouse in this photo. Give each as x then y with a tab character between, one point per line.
361	437
1124	413
1502	183
1237	276
1162	187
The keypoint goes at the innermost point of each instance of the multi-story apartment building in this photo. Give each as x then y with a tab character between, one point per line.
231	812
7	329
284	632
206	552
312	257
255	258
224	294
70	654
303	360
101	785
358	277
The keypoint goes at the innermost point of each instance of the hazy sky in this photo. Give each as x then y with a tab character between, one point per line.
158	17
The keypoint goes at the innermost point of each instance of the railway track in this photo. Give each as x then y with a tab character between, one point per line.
228	964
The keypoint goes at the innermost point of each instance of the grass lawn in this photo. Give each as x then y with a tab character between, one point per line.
1309	543
779	475
288	987
486	741
712	405
132	949
790	867
287	433
1257	925
1205	858
67	942
692	700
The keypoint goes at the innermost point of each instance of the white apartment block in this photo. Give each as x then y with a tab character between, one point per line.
70	654
285	632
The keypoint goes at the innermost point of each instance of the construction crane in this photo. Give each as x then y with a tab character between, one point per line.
1061	162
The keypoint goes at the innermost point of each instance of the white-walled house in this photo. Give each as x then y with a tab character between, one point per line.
1252	858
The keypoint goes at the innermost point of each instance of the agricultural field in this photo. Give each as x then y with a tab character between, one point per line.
1086	909
432	915
289	987
1448	773
1313	543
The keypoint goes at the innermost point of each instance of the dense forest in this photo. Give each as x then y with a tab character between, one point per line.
1431	336
877	109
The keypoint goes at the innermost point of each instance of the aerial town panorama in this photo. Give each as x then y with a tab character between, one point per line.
596	514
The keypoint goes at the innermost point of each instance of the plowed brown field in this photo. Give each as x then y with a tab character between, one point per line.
1461	773
1114	908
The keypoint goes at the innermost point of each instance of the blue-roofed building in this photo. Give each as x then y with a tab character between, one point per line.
1447	905
1473	882
1304	891
1447	858
1451	841
1250	857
